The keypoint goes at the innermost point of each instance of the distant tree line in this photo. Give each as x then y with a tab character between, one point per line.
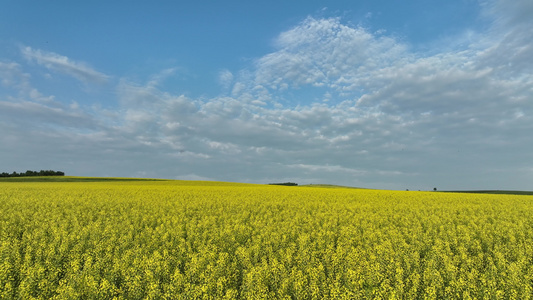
285	183
33	173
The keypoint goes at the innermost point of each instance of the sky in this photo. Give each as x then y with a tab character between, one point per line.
411	94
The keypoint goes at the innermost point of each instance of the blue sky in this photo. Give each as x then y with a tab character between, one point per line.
381	94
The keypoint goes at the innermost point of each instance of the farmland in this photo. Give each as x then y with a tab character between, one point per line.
142	239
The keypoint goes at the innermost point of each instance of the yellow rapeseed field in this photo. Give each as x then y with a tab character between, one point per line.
206	240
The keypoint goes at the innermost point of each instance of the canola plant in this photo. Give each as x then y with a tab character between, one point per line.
207	240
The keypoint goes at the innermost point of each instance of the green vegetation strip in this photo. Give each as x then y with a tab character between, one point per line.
496	192
72	179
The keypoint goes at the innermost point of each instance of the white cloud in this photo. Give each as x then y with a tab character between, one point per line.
193	177
225	78
509	13
157	79
329	169
325	52
509	44
29	114
13	78
63	64
11	75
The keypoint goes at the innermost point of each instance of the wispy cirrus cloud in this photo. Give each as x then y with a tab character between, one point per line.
12	76
63	64
45	115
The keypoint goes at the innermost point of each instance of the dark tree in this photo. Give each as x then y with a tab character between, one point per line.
33	173
285	183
